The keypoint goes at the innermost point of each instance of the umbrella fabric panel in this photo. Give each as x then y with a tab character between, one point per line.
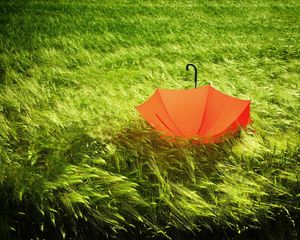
156	115
242	121
186	108
221	112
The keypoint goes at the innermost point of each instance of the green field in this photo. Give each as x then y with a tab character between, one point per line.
77	161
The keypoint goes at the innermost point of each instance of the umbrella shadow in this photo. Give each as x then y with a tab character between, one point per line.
143	152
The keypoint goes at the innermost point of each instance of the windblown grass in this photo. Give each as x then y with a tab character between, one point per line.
76	159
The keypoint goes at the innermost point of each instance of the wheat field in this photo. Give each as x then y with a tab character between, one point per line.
77	161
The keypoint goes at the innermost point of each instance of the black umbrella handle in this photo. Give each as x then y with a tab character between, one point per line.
196	73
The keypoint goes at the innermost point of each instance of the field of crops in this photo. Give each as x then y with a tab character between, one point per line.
77	161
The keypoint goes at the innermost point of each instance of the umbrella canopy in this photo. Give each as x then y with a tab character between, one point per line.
203	113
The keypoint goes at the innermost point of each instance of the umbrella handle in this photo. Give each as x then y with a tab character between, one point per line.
196	74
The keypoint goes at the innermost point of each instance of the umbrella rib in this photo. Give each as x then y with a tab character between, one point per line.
200	127
159	118
170	115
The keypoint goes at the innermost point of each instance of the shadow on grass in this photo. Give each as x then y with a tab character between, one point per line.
139	146
279	228
141	153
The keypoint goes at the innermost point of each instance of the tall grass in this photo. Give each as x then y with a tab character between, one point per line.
76	159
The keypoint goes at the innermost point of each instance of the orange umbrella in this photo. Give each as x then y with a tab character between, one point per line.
202	113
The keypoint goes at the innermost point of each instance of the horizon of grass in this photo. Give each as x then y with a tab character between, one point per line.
76	157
